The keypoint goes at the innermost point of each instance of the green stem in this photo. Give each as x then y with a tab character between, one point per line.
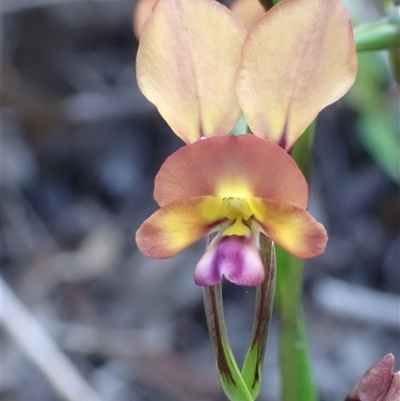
296	378
294	359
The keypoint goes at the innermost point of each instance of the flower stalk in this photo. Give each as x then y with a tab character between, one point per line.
295	367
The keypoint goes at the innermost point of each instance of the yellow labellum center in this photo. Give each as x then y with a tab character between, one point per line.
237	210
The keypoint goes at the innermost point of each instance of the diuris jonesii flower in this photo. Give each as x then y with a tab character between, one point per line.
196	64
235	187
202	70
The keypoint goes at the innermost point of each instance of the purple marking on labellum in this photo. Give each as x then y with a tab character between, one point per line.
234	257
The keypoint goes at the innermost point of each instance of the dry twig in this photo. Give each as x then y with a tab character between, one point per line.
41	349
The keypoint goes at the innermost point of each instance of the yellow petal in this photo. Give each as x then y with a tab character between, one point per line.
178	225
187	65
299	58
290	227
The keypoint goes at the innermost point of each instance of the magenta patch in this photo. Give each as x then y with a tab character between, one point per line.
235	257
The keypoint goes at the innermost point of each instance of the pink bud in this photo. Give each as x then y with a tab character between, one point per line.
379	383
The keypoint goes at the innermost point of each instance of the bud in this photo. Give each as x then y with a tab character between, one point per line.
379	383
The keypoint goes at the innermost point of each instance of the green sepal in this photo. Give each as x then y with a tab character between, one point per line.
253	363
231	379
240	127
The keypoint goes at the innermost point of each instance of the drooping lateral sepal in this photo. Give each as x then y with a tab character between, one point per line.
253	363
229	374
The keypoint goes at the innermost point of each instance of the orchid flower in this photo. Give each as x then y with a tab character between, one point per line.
202	70
234	187
199	67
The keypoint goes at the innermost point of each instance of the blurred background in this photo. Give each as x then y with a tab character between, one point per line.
85	316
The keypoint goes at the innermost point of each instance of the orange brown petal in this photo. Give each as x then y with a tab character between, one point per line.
233	166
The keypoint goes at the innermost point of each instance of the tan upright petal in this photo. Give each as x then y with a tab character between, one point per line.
187	65
248	11
142	11
299	58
